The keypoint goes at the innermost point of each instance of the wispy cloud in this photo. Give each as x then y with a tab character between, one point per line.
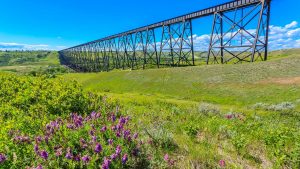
20	46
280	37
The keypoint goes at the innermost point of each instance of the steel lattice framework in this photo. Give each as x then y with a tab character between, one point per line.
170	42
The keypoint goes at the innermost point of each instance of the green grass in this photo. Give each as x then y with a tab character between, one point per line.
28	65
241	84
172	100
185	110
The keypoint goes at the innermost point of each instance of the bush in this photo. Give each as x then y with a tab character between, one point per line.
206	109
162	138
96	140
27	103
281	107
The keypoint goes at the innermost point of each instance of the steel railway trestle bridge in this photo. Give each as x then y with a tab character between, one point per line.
233	39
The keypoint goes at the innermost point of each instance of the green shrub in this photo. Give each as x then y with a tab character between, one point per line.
192	130
27	103
281	107
206	109
96	140
161	137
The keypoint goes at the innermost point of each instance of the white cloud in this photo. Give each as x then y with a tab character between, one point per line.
280	37
293	32
19	46
291	25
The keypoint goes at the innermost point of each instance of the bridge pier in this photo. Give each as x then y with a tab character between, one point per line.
233	40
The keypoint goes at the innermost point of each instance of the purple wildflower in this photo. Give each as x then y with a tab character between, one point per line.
124	159
113	118
129	138
92	133
229	116
83	143
70	126
69	155
222	163
94	138
119	126
36	149
118	150
118	134
77	158
113	128
38	139
46	139
106	163
98	148
93	115
44	154
122	120
110	141
103	129
86	159
22	139
113	156
2	158
126	133
78	120
135	136
58	152
166	158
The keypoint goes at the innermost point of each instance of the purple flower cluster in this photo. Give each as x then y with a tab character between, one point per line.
169	160
106	163
2	158
53	126
92	130
110	141
98	148
124	159
69	154
43	154
77	120
22	139
86	159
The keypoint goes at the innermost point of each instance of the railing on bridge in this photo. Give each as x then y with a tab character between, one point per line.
232	40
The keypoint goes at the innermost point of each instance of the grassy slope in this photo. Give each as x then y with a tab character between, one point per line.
242	84
169	99
167	102
50	60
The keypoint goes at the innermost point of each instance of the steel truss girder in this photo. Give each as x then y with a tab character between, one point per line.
176	48
233	41
150	49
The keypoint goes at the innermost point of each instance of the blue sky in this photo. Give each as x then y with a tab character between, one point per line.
57	24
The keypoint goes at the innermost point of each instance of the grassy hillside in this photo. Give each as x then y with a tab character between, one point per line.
22	62
209	116
246	114
241	84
